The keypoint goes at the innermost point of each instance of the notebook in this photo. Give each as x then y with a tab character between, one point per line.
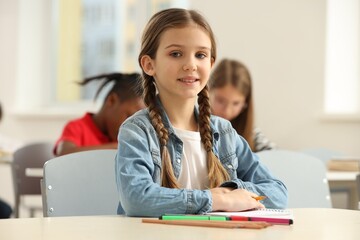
274	216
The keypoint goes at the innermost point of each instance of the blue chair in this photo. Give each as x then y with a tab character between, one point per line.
324	154
303	175
80	184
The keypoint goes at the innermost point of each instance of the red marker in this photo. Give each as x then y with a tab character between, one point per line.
263	219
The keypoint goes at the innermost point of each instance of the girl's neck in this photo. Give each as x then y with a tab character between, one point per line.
181	114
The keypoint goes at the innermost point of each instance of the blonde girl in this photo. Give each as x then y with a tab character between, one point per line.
173	156
231	97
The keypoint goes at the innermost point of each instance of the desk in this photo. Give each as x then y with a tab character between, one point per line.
5	158
34	172
345	181
309	224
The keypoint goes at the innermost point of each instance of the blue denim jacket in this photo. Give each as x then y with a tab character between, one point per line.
138	166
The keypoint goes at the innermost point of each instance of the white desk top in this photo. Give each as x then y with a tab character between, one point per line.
308	224
341	175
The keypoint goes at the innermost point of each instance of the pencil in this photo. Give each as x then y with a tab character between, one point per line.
259	198
205	223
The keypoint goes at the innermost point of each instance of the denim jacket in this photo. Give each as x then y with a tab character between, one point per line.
138	167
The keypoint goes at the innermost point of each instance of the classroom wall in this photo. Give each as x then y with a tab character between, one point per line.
281	41
283	44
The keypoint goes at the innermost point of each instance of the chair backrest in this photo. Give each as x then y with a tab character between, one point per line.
80	184
303	175
32	155
324	154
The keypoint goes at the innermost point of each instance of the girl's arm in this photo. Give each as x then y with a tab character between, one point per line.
138	178
231	200
255	177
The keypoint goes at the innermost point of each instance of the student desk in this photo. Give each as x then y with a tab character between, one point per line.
345	181
309	224
5	158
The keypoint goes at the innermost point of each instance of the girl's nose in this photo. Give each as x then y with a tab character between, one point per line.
190	67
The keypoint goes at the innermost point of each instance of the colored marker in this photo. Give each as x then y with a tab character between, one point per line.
194	217
263	219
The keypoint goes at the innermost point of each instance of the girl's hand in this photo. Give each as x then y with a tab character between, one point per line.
220	190
235	200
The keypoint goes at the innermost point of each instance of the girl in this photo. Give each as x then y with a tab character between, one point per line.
99	130
173	157
231	98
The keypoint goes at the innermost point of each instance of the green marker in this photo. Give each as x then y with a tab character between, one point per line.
193	217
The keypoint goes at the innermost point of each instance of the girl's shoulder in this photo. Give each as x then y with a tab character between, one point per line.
219	122
140	116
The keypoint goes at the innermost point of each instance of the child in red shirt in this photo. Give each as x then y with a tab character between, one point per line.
99	130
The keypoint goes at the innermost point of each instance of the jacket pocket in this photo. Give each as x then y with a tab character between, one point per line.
230	163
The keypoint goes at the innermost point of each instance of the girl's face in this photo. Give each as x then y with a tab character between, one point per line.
227	102
182	63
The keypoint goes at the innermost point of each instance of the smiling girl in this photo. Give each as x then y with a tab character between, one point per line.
173	156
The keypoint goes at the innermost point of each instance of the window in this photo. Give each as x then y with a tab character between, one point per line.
63	41
342	65
96	37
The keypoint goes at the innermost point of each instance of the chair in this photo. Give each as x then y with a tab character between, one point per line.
303	175
324	154
32	155
80	184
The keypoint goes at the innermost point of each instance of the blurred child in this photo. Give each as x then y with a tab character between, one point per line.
231	98
99	130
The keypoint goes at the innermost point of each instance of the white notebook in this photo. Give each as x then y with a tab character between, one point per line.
265	214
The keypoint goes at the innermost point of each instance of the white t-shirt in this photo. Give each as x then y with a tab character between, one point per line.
194	171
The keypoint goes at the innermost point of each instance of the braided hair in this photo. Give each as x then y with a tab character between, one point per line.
161	21
126	85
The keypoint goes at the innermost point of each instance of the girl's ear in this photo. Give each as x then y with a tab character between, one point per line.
212	62
147	64
112	100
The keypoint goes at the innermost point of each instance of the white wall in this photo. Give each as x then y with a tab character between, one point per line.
283	44
281	41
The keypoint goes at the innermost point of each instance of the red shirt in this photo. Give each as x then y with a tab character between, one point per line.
82	132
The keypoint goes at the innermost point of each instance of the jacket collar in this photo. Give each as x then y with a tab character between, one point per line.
170	128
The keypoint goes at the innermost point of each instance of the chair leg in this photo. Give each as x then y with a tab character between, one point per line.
16	209
32	212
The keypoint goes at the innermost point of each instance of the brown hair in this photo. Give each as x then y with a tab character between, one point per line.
236	74
157	25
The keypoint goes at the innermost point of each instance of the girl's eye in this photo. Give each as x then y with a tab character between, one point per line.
175	54
201	55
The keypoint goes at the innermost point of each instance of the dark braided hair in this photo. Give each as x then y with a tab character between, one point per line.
126	85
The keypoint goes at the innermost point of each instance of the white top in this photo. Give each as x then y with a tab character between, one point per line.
194	171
